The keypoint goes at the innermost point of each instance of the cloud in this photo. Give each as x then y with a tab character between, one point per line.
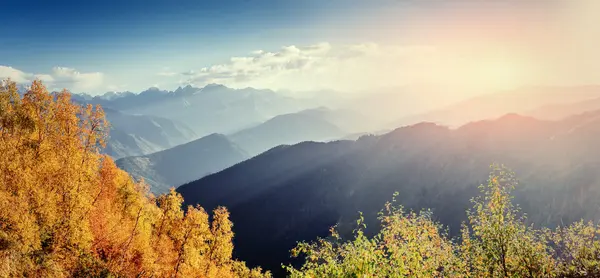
70	78
315	66
58	78
14	74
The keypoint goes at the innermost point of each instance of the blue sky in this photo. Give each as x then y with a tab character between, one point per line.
145	36
97	46
74	31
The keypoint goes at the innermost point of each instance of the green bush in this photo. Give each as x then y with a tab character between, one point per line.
495	242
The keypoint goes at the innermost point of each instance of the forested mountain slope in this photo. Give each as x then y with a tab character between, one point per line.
187	162
141	134
294	193
287	129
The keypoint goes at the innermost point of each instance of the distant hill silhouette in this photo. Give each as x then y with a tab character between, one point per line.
307	125
175	166
561	110
295	193
489	106
141	134
210	109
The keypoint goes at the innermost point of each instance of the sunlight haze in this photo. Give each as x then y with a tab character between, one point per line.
299	138
471	47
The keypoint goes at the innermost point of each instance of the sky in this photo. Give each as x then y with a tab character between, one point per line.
345	45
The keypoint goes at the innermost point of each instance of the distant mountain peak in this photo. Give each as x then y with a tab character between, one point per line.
424	126
514	117
216	136
214	86
112	95
422	129
187	90
154	91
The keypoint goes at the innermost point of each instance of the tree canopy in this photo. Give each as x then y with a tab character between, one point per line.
68	211
494	242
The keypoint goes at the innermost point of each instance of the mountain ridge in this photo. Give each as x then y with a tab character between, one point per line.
297	192
183	163
143	134
286	129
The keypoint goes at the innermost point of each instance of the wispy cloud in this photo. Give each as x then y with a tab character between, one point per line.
314	66
58	78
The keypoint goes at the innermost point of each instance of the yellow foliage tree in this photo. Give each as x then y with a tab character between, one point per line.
495	242
68	211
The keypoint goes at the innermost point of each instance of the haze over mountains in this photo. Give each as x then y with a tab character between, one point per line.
295	193
210	109
187	162
217	108
319	124
143	134
246	111
289	176
561	110
487	106
184	163
281	169
261	138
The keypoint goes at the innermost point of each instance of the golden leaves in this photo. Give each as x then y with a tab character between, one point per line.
66	210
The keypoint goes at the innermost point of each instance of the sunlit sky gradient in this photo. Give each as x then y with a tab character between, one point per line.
473	46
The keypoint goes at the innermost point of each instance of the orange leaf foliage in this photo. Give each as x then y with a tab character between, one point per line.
68	211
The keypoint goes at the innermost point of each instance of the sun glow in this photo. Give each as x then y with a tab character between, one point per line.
480	74
498	75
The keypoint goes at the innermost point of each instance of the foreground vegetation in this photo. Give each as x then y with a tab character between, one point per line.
68	211
496	242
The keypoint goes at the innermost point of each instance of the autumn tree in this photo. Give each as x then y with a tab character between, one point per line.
68	211
495	242
409	244
578	249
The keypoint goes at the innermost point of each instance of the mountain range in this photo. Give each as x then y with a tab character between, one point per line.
522	101
295	193
320	124
191	161
282	187
184	163
210	109
561	110
142	134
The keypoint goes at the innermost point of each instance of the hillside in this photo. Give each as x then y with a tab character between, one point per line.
178	165
287	129
489	106
212	108
67	211
140	134
558	111
295	193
